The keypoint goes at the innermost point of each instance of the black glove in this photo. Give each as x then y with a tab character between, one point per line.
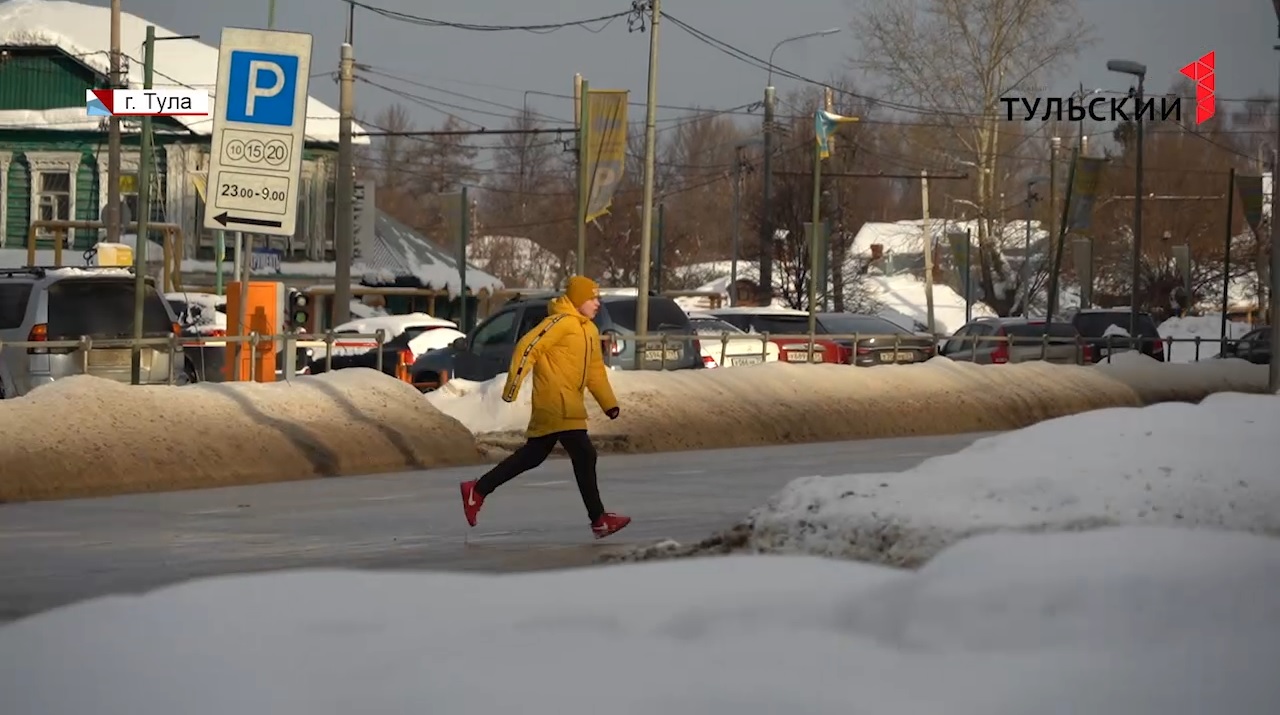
612	412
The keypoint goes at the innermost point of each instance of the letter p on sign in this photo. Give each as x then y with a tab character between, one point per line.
260	88
1202	73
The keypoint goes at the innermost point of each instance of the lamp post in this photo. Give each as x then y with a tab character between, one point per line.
766	226
1138	70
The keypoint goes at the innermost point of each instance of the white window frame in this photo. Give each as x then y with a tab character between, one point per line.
6	158
53	162
130	163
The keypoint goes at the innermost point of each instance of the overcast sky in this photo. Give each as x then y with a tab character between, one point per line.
500	66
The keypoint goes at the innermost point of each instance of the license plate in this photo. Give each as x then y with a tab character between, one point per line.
803	355
898	357
662	355
750	360
113	358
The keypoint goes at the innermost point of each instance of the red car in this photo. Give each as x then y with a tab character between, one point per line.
784	321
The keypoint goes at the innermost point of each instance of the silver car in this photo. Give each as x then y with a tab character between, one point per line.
60	304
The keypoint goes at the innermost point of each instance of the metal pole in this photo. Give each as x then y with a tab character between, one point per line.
1055	143
112	213
220	255
928	252
737	219
244	257
1137	221
650	149
1273	367
144	213
584	181
271	14
1026	259
345	188
465	228
968	275
814	243
766	218
1226	257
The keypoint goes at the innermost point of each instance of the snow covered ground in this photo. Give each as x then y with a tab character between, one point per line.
1133	621
1176	464
1208	328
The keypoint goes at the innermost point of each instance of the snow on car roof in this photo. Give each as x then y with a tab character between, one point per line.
396	323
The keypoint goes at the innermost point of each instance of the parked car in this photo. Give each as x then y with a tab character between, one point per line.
422	333
1254	346
58	304
782	321
1107	331
996	341
721	346
486	352
888	343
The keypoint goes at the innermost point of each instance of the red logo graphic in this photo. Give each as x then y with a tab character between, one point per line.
1201	72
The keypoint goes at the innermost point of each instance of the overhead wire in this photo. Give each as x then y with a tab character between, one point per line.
541	29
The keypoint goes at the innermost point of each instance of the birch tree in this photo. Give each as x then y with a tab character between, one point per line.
952	61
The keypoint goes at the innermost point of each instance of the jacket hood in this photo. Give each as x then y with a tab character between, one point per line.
563	306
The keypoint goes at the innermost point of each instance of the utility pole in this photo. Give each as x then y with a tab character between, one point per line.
736	221
582	89
928	251
271	14
1055	144
144	215
1273	367
344	243
650	149
112	213
766	218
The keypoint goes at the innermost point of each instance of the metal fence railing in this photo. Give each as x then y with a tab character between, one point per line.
987	349
184	348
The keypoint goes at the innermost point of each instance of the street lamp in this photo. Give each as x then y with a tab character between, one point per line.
1138	70
766	226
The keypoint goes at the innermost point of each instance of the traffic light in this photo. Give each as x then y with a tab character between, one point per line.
299	310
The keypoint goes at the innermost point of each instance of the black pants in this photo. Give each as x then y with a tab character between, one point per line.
536	450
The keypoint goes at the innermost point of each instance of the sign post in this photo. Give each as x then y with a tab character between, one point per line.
259	133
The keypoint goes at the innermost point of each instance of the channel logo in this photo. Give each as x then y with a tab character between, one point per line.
146	102
1202	72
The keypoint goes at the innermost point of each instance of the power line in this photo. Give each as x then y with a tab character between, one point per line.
540	29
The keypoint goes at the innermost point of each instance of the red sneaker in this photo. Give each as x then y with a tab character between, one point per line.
609	523
472	500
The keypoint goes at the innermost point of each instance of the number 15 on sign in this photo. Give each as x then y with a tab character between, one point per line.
259	131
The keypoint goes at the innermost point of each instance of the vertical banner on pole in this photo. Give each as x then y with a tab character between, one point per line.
606	154
1084	192
1249	189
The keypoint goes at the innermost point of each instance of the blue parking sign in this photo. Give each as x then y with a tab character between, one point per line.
261	88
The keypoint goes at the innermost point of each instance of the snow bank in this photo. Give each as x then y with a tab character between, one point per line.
85	436
1206	465
1186	382
1208	328
779	403
1141	622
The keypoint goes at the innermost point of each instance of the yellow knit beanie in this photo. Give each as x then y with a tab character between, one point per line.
581	289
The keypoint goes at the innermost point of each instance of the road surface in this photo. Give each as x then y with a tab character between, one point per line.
54	553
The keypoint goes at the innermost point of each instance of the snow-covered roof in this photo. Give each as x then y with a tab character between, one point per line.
84	32
397	252
907	236
521	260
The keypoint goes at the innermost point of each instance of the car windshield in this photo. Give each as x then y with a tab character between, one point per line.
713	326
1094	325
783	324
664	315
1039	330
860	325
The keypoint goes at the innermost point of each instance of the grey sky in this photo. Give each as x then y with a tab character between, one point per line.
1163	34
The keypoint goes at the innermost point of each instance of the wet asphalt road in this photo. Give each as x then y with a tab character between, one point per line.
54	553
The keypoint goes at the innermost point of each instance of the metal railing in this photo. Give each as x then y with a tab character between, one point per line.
818	348
177	347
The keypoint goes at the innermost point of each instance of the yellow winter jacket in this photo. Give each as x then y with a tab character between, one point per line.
563	353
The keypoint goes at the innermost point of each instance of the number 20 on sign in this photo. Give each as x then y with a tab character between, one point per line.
259	131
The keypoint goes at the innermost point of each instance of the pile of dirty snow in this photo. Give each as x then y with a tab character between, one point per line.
1206	465
1134	621
1181	336
86	436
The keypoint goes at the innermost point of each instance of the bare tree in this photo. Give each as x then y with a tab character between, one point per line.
956	59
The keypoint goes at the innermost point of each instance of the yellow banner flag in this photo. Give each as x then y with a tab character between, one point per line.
606	138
